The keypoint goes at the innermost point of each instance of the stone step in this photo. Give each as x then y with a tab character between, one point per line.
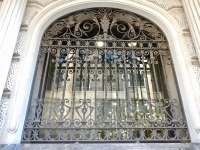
104	146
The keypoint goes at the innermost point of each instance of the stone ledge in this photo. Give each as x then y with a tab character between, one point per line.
106	146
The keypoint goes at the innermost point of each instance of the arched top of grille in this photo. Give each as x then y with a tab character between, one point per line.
104	23
105	76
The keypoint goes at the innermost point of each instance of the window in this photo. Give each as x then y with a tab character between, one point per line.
106	75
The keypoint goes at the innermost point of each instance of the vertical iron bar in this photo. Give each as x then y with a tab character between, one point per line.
154	72
165	81
45	75
65	82
76	57
95	82
117	96
145	76
126	86
54	80
85	86
135	71
147	84
165	76
106	86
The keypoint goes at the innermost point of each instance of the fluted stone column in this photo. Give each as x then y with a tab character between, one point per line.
11	14
192	11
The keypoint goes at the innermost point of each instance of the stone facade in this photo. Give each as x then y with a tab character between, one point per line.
32	17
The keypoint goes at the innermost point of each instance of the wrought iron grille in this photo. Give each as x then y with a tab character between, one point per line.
104	75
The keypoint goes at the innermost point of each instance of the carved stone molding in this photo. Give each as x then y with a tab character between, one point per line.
3	109
20	44
30	13
167	4
197	73
180	17
41	2
191	9
16	115
11	18
11	77
191	47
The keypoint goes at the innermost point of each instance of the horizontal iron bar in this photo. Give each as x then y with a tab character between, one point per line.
113	40
124	48
110	141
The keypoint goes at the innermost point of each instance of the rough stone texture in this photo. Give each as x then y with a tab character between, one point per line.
30	13
180	17
20	44
191	47
113	146
41	2
167	4
197	73
3	110
11	77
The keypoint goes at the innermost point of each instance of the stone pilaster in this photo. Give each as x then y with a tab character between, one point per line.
192	11
11	15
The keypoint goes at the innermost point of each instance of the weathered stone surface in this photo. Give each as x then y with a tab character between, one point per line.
107	146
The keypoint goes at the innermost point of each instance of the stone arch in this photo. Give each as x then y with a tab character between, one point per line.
56	10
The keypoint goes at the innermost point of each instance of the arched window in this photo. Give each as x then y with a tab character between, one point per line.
105	75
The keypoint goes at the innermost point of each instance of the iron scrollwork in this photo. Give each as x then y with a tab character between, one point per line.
117	90
119	24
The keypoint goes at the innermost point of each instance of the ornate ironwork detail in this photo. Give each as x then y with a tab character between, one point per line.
105	77
119	24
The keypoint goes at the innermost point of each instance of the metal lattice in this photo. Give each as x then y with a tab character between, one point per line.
104	75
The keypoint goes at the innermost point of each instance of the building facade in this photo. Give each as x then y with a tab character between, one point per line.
154	27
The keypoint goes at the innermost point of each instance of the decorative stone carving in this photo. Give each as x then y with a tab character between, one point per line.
30	13
197	73
3	109
191	47
41	2
11	77
20	44
180	17
167	4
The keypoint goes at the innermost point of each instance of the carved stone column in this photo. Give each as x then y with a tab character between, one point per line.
11	14
192	11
